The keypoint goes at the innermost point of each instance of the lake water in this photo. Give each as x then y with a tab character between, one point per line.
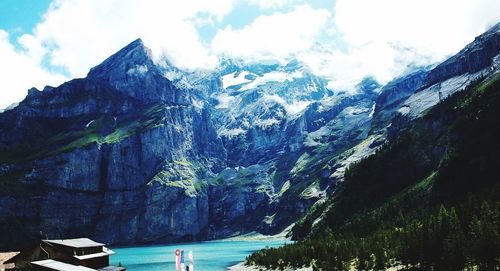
208	256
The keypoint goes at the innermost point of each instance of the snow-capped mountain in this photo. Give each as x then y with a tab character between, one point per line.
141	151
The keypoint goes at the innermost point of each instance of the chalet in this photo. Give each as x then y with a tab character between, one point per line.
80	254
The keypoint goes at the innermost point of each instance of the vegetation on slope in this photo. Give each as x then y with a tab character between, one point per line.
67	134
426	200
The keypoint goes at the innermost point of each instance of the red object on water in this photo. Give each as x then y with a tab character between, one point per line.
177	260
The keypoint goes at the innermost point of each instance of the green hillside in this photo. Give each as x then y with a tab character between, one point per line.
427	200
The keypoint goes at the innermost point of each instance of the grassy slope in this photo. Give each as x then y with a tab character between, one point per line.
443	168
68	134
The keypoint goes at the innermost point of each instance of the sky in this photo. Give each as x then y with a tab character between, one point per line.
47	42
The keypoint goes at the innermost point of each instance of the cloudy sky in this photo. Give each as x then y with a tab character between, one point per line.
47	42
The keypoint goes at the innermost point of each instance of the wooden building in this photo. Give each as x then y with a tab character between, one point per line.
79	254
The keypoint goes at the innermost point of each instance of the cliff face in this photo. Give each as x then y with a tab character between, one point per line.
114	156
473	58
418	116
394	93
407	97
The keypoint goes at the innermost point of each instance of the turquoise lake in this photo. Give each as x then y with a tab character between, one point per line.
208	256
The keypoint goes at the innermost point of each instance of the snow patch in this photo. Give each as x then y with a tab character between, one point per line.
292	108
328	103
352	110
274	98
297	107
274	76
404	110
138	70
430	96
232	79
88	124
224	101
266	122
373	110
232	132
197	103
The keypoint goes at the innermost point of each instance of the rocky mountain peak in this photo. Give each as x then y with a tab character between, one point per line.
368	84
133	56
33	91
132	72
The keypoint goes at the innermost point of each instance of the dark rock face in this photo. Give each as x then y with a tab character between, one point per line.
394	94
474	57
238	210
85	158
261	142
131	71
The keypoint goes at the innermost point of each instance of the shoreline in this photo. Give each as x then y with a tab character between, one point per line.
242	267
251	236
255	236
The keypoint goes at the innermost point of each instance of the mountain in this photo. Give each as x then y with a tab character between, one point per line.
426	198
408	98
276	121
142	152
114	156
152	153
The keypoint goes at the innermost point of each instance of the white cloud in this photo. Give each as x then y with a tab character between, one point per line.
77	35
272	4
21	70
346	69
442	27
383	37
80	34
272	37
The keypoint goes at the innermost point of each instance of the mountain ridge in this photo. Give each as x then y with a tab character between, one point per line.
167	155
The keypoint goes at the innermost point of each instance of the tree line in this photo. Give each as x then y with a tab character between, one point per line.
447	238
